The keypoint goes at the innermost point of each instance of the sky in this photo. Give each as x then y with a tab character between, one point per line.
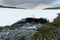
31	4
10	16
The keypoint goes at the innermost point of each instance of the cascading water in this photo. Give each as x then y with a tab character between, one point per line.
22	33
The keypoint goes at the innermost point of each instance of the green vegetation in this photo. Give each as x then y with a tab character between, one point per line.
13	26
48	31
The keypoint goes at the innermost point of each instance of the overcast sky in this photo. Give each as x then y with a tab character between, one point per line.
30	3
10	16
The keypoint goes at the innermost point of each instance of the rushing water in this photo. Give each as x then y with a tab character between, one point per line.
25	32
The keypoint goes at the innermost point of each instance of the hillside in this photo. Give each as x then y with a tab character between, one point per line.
22	29
49	31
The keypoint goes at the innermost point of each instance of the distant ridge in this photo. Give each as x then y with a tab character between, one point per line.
52	8
1	6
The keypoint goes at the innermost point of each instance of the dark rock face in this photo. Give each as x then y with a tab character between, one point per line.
43	20
35	20
23	38
31	20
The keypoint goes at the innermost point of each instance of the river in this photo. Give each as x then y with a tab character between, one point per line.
25	32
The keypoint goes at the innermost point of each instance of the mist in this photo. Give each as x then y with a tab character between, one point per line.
10	16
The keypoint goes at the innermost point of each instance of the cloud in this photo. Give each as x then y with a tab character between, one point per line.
18	2
57	3
26	3
42	6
